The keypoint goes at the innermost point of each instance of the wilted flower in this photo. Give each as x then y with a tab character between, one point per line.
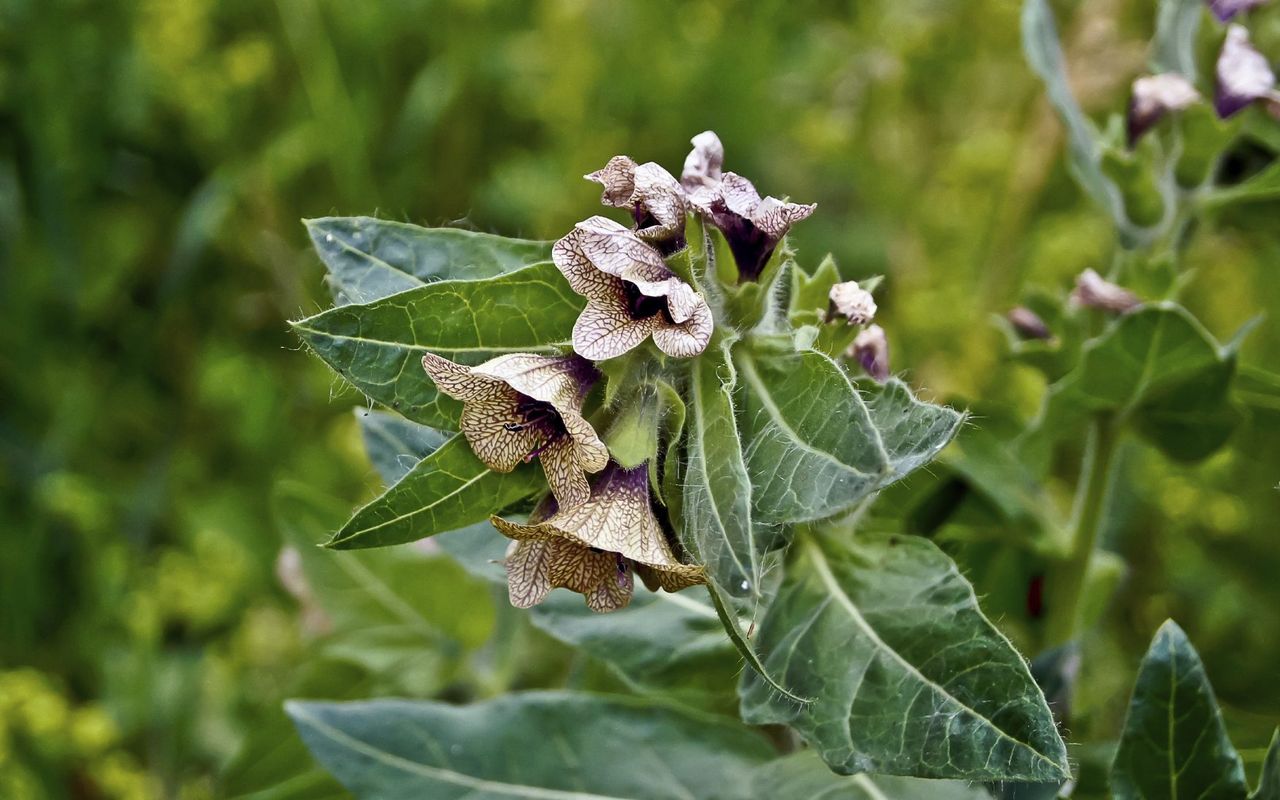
1094	291
752	225
519	407
631	294
1028	323
852	302
594	548
1153	97
1226	9
871	350
654	197
1244	76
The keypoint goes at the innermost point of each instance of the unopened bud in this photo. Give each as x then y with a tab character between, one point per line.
1094	291
852	302
871	350
1028	324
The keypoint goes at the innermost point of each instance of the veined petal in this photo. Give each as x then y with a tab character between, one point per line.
659	194
618	178
583	276
605	330
528	573
739	195
613	595
703	165
581	569
458	381
671	579
775	217
590	453
617	251
562	381
496	431
1243	74
564	474
688	338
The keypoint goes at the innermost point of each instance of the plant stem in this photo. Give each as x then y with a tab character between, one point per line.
1066	584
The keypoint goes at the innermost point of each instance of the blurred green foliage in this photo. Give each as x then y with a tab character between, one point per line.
156	155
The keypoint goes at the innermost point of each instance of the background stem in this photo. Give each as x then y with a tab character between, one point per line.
1066	584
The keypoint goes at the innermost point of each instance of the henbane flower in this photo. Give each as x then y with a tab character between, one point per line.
519	407
595	547
631	294
849	300
656	201
752	225
1153	97
1243	75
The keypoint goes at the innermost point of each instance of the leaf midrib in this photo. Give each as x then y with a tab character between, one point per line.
829	579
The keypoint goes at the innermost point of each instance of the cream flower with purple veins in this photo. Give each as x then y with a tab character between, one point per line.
653	196
631	294
519	407
595	548
752	225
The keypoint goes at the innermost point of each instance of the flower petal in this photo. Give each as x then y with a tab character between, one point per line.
661	196
703	165
605	330
617	251
1154	96
458	381
613	595
1224	10
619	518
562	381
528	573
775	217
496	431
618	178
564	474
590	453
1244	75
871	349
671	579
579	568
571	258
686	339
852	302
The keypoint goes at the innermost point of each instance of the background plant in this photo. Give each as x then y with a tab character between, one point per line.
151	248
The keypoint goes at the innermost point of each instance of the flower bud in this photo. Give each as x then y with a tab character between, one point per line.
871	350
852	302
1094	291
1028	324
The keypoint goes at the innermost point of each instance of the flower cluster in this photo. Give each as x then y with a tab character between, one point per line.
593	534
1242	77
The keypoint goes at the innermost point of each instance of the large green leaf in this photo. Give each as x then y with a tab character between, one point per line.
378	346
803	776
814	448
716	526
1157	367
1174	745
543	745
447	490
407	596
394	444
369	259
908	676
1269	781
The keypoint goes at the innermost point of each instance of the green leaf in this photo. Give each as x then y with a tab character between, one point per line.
448	489
909	677
1157	366
369	259
378	346
1269	781
394	444
803	776
716	525
544	745
1174	744
1174	45
1265	185
632	437
810	294
410	598
729	620
1044	53
815	448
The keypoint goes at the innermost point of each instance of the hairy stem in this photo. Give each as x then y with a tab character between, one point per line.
1066	584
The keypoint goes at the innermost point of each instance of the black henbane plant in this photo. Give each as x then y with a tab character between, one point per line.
706	414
